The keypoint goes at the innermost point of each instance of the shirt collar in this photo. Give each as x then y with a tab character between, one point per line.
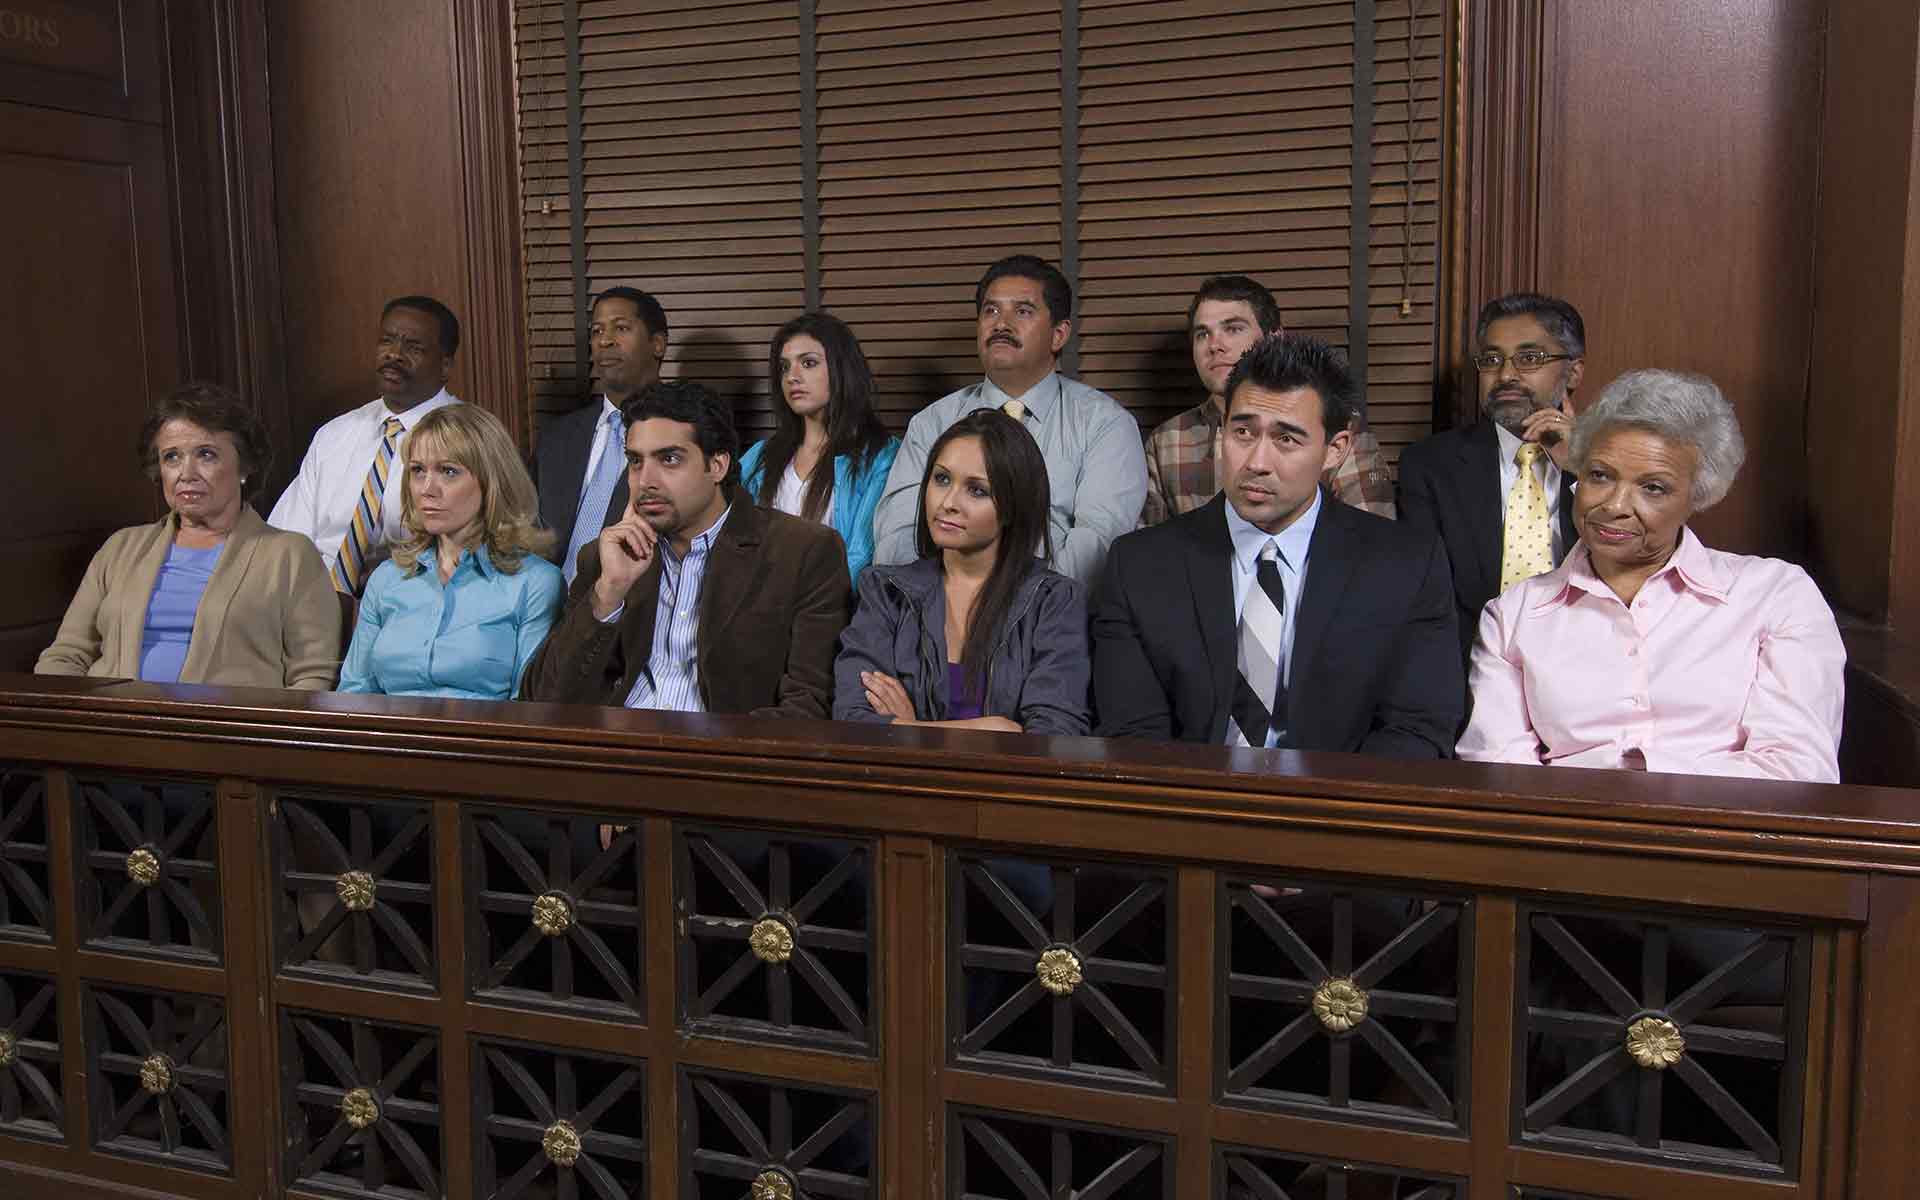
699	546
411	417
1039	400
1248	538
482	561
1692	565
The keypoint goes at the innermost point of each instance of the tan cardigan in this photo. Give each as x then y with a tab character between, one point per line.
269	616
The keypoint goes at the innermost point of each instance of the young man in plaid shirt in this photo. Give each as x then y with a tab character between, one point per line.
1184	458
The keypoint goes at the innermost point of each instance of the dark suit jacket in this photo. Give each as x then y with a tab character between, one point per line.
559	469
1450	486
1375	667
773	600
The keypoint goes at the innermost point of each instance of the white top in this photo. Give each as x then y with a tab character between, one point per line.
1549	478
607	409
319	502
791	493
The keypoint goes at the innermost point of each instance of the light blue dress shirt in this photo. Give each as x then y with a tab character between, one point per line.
470	637
1096	470
671	680
1292	542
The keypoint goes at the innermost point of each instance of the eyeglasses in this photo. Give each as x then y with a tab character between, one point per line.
1524	361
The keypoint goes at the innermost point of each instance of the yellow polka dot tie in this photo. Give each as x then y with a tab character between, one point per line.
1016	410
1526	546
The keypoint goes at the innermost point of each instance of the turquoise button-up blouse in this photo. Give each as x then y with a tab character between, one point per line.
470	637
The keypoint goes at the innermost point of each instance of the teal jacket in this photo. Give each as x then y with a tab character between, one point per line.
854	498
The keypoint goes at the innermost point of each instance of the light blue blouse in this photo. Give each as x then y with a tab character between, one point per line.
470	637
170	611
854	498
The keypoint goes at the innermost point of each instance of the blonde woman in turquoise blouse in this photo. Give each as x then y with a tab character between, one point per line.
466	598
828	458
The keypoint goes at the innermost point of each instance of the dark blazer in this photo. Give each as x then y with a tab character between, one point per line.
773	600
559	468
1450	486
1375	666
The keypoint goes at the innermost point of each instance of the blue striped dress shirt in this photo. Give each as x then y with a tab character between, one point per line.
671	680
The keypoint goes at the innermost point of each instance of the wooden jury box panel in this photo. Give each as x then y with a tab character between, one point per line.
89	320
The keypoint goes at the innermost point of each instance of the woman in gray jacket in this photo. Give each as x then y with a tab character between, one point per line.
977	633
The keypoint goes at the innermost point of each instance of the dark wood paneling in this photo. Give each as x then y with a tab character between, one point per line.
1679	147
102	57
369	185
1862	317
90	332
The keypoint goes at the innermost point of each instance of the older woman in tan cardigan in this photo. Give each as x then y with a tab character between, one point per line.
209	593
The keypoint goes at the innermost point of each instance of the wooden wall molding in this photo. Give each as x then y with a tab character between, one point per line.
493	350
1504	84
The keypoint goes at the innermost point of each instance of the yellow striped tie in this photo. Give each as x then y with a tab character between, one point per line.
350	567
1527	538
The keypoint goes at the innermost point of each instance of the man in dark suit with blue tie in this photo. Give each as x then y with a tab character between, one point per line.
1272	617
580	465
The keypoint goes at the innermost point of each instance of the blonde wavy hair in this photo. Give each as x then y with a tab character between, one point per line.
509	506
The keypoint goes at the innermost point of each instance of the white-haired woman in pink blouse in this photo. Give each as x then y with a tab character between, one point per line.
1645	649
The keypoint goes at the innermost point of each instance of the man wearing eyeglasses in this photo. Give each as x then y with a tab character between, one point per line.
1497	492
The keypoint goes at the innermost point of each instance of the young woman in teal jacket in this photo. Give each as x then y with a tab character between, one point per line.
828	458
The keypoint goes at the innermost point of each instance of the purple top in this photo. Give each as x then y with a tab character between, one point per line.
960	706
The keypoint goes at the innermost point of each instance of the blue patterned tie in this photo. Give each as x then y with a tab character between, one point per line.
592	517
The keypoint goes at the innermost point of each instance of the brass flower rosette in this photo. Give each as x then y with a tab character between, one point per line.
552	914
561	1144
771	940
9	1048
1339	1005
143	867
1058	969
355	889
359	1109
156	1074
772	1185
1655	1043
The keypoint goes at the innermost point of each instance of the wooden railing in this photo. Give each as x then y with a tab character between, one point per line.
264	944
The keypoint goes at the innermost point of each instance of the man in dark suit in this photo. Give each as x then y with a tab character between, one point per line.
696	599
1272	616
579	467
1501	524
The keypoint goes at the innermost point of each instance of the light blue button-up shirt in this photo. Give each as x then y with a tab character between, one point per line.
470	637
1248	540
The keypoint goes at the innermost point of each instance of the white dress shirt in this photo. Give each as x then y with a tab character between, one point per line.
607	409
319	502
1549	478
1292	543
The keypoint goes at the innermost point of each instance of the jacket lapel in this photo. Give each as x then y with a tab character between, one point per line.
1568	535
733	570
1331	555
1480	477
1209	581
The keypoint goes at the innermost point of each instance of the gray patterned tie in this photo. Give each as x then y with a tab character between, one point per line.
1260	692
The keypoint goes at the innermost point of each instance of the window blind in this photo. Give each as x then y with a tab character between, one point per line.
743	159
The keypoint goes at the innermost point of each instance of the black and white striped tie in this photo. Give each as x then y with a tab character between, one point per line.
1260	693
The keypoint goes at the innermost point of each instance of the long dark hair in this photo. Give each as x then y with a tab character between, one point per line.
853	428
1018	476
